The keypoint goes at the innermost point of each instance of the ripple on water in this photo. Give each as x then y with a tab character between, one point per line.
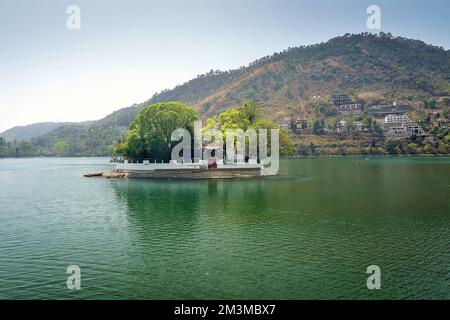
308	233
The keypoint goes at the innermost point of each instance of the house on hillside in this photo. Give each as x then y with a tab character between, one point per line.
292	125
394	120
405	129
341	126
286	124
340	99
359	126
381	111
301	124
412	128
400	125
347	109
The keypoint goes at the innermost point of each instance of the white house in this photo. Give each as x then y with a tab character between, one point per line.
341	126
396	118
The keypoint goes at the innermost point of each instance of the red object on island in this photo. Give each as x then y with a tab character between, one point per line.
212	164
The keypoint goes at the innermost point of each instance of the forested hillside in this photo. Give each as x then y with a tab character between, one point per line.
30	131
372	68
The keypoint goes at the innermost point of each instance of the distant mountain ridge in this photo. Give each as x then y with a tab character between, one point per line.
371	68
30	131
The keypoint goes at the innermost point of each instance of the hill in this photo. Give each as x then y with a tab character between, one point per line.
372	69
30	131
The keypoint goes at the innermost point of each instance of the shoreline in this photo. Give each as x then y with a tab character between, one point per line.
281	157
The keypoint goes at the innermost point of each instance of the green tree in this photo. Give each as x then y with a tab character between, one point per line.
391	146
318	127
446	102
2	144
367	123
312	147
251	111
286	144
412	148
428	148
342	150
447	138
444	148
430	103
377	128
247	116
61	148
135	146
233	119
446	113
150	133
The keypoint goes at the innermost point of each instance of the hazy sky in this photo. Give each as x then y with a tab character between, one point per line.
127	50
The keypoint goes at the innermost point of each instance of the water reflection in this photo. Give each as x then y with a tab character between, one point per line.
308	233
187	234
184	203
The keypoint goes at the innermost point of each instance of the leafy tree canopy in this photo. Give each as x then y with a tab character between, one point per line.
150	133
249	115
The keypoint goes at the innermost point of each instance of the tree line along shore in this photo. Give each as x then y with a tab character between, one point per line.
313	140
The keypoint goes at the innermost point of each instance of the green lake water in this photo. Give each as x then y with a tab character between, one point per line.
309	233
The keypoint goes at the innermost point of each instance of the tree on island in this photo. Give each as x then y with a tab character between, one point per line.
150	133
249	115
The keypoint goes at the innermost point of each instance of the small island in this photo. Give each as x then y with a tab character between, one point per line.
150	150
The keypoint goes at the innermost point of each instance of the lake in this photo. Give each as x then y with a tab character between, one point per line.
309	233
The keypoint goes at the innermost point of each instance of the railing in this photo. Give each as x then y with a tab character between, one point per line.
153	161
146	165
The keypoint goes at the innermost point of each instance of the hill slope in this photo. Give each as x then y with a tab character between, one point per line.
370	67
30	131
